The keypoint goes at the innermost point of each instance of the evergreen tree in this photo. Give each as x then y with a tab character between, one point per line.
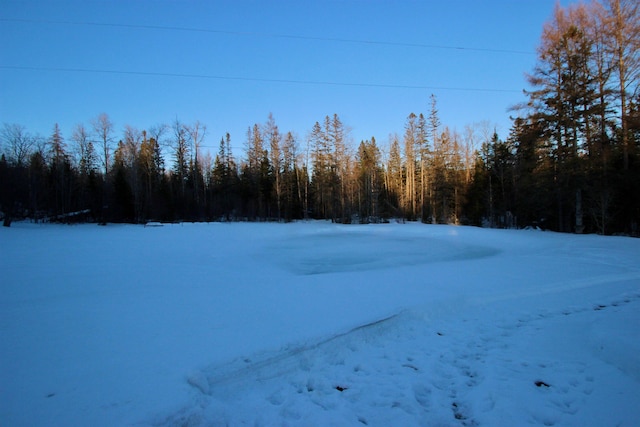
181	154
566	92
196	133
60	173
256	175
370	180
436	156
410	137
273	136
339	166
422	150
394	172
86	157
225	179
123	208
623	35
321	175
291	177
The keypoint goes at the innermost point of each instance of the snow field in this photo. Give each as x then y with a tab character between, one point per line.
317	324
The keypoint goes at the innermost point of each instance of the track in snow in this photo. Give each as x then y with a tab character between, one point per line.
465	369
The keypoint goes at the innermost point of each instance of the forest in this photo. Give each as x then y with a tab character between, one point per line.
570	163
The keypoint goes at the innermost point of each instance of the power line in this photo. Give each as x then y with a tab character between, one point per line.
272	35
252	79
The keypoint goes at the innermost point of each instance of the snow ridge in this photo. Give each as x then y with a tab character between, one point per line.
411	369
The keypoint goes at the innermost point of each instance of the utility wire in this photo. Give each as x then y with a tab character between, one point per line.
272	35
251	79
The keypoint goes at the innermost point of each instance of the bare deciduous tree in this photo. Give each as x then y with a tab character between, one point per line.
103	127
197	132
17	142
84	150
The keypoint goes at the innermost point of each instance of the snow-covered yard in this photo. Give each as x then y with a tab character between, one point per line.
317	324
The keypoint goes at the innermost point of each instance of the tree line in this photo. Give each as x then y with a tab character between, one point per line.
571	161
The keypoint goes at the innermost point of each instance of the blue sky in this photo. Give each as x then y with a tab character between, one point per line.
377	61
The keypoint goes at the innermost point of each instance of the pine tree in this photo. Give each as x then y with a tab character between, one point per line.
196	134
340	166
624	34
257	175
181	154
369	175
563	101
225	179
60	170
394	173
291	177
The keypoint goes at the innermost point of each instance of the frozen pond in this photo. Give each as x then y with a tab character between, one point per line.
317	324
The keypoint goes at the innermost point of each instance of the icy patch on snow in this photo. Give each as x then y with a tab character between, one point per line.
337	251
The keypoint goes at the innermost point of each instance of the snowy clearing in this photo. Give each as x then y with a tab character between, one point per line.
317	324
